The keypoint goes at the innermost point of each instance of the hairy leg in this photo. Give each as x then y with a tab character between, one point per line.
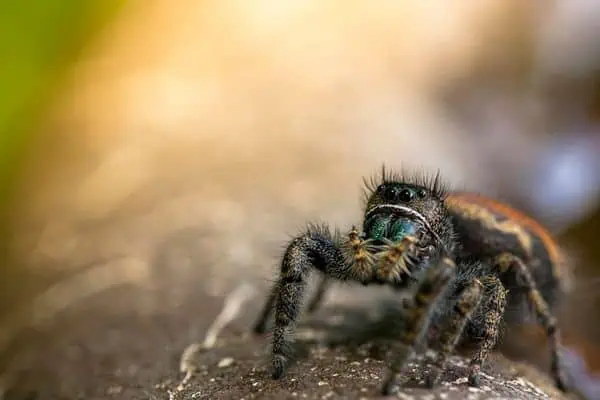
495	302
354	251
314	303
468	300
507	262
429	289
320	249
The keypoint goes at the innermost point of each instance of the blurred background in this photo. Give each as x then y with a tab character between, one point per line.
155	154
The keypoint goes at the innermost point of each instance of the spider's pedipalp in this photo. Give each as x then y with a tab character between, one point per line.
388	263
359	254
394	260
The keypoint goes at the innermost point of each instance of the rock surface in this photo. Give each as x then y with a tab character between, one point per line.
104	351
339	373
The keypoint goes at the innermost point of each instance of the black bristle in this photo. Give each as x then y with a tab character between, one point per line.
433	182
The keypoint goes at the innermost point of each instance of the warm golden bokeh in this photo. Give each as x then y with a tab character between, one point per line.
229	115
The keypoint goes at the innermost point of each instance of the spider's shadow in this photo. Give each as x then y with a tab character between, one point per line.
361	333
350	328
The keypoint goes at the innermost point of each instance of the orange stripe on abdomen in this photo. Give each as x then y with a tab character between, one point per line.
455	200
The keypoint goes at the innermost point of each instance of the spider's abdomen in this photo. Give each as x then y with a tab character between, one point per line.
487	228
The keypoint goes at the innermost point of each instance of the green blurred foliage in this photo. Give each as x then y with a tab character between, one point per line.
39	40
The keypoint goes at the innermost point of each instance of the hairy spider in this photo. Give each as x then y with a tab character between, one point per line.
471	261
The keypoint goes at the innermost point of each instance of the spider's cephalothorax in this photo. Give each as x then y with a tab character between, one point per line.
403	215
458	252
397	211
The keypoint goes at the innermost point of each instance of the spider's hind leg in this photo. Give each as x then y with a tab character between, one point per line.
509	262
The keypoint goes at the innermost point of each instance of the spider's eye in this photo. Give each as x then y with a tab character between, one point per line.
390	192
405	195
421	193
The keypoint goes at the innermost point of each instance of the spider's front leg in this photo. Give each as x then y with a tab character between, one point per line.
320	249
416	321
492	312
357	251
467	303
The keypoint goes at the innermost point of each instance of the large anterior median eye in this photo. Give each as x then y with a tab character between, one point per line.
405	195
394	192
390	192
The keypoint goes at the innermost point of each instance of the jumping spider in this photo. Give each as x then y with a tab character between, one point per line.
468	259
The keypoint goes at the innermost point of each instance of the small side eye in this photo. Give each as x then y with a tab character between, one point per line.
421	193
406	195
